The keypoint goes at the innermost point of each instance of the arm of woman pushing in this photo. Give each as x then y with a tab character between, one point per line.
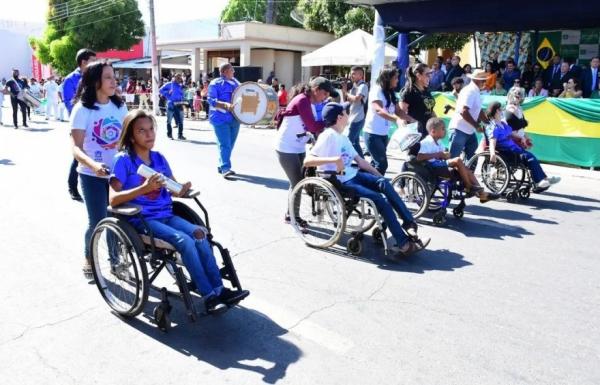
492	149
78	135
306	114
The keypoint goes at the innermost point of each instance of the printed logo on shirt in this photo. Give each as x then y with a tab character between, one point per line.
106	132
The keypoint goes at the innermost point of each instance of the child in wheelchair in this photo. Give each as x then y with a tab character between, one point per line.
333	151
190	240
503	139
441	166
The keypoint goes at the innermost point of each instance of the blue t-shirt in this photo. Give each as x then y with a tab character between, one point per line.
156	204
502	132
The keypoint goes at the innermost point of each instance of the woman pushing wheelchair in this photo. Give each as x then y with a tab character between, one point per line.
190	240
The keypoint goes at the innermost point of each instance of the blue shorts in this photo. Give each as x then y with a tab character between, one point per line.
439	168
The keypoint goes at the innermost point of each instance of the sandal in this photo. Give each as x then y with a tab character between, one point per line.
87	269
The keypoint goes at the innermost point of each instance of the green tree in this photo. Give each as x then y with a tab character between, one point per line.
249	10
74	24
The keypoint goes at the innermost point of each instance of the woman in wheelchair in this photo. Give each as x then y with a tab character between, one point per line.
333	151
126	186
440	164
503	139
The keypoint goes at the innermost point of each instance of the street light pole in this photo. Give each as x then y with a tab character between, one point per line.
155	67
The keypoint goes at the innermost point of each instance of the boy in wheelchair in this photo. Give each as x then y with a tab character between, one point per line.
334	152
126	186
441	166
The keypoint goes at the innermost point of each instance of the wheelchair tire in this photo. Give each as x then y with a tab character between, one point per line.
162	318
496	177
440	217
377	236
524	193
416	194
322	207
354	246
186	212
458	213
120	239
511	197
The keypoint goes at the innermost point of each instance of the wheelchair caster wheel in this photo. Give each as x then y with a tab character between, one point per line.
162	319
439	218
354	246
458	213
511	197
524	193
357	235
377	236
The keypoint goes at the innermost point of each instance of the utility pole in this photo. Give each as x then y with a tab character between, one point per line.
270	14
155	67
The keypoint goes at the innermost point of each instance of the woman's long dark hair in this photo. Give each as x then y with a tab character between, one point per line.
384	80
411	74
91	81
126	138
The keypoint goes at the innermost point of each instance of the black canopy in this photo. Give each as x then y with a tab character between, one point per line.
486	16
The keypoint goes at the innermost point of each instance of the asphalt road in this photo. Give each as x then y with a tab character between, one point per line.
507	295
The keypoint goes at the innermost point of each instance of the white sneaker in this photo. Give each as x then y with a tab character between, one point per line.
543	184
554	179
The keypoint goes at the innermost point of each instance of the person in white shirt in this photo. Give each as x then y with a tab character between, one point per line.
333	151
467	116
538	89
442	166
51	91
96	124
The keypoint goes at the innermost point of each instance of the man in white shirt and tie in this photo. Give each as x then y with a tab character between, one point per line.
591	78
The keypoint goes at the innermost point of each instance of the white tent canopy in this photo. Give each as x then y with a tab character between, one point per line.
356	48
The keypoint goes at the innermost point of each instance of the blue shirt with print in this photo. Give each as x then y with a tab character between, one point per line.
156	204
70	85
173	92
220	89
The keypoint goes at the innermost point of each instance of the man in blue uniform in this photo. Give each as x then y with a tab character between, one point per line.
226	127
69	90
173	92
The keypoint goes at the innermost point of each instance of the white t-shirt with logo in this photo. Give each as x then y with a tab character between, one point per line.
429	146
331	143
375	124
102	131
469	96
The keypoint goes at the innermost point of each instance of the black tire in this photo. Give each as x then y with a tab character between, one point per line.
162	318
354	246
377	236
439	218
524	193
458	213
511	197
122	236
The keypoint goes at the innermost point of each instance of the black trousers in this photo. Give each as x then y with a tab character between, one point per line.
73	175
15	106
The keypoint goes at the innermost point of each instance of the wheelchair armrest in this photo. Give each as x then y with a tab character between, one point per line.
326	173
191	194
126	209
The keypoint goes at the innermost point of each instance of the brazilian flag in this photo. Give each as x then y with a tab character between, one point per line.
545	52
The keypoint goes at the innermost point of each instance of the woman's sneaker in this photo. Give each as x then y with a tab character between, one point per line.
544	184
554	179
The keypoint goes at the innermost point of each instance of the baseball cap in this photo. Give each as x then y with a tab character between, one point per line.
321	83
332	110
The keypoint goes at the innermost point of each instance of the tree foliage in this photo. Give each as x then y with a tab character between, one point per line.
255	10
115	24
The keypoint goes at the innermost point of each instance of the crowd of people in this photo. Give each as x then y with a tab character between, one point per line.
562	78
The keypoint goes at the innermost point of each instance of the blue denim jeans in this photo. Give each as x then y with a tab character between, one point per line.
370	186
460	141
177	113
354	136
377	146
533	164
196	254
95	196
226	136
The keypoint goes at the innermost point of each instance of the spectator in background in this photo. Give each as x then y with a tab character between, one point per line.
574	69
527	76
282	95
204	94
142	91
538	73
197	104
591	79
270	78
552	71
16	87
457	85
499	90
173	93
436	79
467	70
560	79
510	75
275	84
494	62
357	96
51	92
490	83
538	89
454	71
131	84
571	89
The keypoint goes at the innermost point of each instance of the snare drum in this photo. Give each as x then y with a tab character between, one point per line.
31	100
254	103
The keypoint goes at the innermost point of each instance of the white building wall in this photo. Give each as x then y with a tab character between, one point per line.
264	58
284	67
16	52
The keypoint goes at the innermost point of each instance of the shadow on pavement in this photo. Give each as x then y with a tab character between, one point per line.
490	212
267	182
571	197
484	228
36	129
538	204
199	142
227	341
6	162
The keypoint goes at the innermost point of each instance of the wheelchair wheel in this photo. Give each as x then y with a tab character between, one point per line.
354	246
377	236
162	318
439	218
119	267
322	210
524	193
184	211
495	176
414	192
